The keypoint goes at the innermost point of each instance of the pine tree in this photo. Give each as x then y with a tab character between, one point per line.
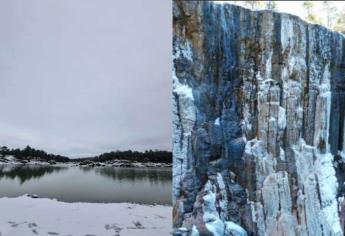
271	5
310	13
254	5
340	23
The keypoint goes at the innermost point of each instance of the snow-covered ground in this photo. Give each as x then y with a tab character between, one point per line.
25	216
11	160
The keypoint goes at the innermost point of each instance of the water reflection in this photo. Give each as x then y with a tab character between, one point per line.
88	184
27	172
153	175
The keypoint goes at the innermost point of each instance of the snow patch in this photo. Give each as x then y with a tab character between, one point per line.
234	229
269	67
217	122
282	118
281	154
328	188
183	119
79	219
184	50
223	202
195	232
310	163
182	89
211	217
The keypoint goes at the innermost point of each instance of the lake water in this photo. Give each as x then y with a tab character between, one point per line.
86	184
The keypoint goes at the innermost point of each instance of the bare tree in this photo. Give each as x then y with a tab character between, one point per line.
331	13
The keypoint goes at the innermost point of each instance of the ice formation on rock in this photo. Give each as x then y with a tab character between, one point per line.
258	118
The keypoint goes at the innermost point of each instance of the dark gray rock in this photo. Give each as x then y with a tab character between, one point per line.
258	122
51	162
86	162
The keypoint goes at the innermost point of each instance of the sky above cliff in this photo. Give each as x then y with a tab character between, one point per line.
81	77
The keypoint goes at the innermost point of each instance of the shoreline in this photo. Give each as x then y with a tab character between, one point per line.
87	163
43	216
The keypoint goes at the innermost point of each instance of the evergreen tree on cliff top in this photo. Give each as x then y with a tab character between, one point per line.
340	23
310	14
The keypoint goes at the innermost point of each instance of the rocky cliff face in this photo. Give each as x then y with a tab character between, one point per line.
258	119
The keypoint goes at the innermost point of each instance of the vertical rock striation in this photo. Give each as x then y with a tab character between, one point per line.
258	119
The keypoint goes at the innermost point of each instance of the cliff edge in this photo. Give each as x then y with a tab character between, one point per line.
258	120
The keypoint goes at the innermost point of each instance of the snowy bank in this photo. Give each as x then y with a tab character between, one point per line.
27	216
89	163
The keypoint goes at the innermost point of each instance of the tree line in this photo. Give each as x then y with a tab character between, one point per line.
29	153
155	156
318	12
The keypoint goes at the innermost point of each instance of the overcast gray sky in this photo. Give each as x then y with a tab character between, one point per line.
81	77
